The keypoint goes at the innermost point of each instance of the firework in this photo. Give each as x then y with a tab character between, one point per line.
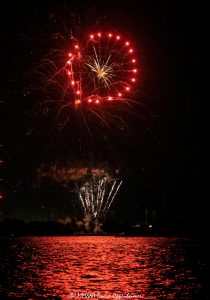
103	70
97	195
96	77
96	188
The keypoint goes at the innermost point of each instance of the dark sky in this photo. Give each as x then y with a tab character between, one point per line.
158	165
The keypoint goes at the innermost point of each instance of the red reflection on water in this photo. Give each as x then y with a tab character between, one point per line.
150	268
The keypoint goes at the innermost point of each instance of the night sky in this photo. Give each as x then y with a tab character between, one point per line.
157	165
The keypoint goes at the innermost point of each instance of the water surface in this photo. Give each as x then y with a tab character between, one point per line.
103	266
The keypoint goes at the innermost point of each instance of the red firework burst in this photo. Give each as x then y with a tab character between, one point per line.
97	76
102	70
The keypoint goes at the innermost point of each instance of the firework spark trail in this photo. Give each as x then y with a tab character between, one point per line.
104	191
113	197
83	203
110	193
101	198
101	191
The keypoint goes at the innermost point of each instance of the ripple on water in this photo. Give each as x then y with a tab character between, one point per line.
150	268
